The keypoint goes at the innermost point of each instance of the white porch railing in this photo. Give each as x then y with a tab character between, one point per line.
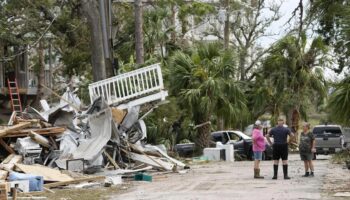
132	85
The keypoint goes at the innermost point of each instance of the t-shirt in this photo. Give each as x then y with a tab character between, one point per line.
280	134
259	140
306	142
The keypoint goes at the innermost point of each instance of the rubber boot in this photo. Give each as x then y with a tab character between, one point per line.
257	174
261	177
312	174
275	171
306	174
285	172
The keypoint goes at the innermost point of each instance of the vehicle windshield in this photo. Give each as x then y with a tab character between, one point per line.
323	130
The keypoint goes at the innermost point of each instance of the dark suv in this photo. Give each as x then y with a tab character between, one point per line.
242	143
329	139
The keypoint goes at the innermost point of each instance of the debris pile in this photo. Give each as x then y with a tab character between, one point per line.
61	144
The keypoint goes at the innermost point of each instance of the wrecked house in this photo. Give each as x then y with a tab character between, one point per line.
16	72
107	139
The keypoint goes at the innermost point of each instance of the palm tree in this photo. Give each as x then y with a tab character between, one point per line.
204	81
293	77
339	102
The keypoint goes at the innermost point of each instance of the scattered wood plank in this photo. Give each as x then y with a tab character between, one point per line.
49	174
39	139
16	127
75	181
8	164
3	191
150	160
7	147
111	160
42	131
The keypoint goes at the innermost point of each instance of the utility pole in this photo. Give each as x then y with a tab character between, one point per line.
138	31
105	9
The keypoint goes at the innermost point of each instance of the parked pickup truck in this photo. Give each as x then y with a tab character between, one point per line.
329	139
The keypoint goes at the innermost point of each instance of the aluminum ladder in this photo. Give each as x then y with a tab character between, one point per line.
14	96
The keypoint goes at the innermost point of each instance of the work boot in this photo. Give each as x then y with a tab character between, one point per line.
257	174
306	174
312	174
275	172
285	172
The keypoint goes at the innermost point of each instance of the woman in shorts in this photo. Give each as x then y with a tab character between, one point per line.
307	149
258	147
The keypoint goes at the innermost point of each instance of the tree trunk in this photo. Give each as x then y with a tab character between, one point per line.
227	26
91	12
139	32
295	123
173	23
242	60
203	133
41	76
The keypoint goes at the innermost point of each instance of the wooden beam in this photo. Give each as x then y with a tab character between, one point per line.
9	164
79	180
111	160
7	147
16	127
42	131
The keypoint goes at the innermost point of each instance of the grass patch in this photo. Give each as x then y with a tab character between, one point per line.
83	194
341	157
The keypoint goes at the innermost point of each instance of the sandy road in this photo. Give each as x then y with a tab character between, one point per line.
221	180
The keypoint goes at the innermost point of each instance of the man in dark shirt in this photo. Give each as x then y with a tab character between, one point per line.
280	147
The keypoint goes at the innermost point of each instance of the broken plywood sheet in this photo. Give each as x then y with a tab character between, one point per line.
49	174
151	160
118	115
9	164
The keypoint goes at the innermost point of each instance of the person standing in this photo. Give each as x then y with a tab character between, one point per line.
279	147
258	147
307	149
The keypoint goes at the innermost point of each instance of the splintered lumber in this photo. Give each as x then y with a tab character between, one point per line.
7	147
111	159
16	127
75	181
42	131
9	164
3	191
39	139
151	160
49	174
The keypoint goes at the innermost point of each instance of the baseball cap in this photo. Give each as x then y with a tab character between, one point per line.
257	122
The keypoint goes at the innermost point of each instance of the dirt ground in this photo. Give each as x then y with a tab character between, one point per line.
222	180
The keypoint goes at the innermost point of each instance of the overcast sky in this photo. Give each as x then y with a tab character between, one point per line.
280	27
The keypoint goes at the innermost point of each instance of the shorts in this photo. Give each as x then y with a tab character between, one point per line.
257	155
306	156
280	151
